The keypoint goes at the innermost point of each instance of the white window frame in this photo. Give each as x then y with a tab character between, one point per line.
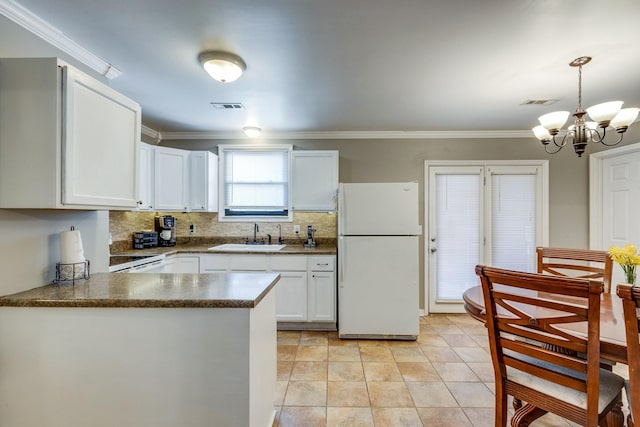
503	166
221	181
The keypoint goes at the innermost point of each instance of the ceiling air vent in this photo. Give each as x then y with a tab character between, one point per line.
227	105
539	102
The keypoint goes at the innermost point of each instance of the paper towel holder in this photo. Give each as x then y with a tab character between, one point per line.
72	272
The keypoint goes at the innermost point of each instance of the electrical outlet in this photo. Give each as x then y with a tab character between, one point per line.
192	229
296	229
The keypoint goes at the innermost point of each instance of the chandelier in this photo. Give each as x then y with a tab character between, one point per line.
605	115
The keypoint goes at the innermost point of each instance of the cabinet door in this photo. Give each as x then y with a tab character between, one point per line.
171	179
291	296
203	191
145	177
185	264
322	296
214	263
314	180
101	132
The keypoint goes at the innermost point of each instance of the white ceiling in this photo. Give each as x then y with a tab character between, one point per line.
352	65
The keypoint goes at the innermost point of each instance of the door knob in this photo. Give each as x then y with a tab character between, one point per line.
433	250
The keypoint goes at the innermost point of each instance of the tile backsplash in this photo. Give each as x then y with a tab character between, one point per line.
122	224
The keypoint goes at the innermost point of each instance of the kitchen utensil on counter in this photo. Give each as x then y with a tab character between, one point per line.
145	239
311	241
166	229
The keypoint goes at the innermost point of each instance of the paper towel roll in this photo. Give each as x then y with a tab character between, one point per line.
71	250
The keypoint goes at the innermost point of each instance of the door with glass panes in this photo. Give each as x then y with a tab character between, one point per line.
492	213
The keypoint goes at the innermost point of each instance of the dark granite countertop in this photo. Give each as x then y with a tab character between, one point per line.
217	290
201	248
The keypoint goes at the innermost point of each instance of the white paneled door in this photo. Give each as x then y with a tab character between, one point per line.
490	213
620	203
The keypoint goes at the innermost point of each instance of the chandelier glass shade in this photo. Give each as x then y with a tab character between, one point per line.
581	132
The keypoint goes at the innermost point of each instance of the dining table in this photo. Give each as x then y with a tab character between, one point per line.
613	346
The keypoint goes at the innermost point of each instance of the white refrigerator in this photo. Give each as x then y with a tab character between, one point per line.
378	269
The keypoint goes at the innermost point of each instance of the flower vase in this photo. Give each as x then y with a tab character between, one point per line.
631	277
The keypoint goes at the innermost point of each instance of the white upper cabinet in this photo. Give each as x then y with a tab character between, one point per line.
171	179
204	182
314	180
145	177
67	140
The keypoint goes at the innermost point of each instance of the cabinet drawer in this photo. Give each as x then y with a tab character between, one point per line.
248	263
213	263
321	263
288	263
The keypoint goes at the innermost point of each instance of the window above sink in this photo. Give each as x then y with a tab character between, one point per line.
255	183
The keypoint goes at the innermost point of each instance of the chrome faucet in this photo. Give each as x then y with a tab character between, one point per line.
255	232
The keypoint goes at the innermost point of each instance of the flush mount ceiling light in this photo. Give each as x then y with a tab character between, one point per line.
581	132
225	67
251	131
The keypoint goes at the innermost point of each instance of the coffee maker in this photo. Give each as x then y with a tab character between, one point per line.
166	228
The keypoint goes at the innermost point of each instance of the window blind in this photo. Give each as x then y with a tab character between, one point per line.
513	222
256	182
458	234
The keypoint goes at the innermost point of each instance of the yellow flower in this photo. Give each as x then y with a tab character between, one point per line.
628	258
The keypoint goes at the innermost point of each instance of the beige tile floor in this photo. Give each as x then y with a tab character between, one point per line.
443	379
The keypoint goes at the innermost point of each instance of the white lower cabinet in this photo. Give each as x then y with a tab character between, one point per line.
214	263
322	296
182	264
322	289
291	296
306	292
291	290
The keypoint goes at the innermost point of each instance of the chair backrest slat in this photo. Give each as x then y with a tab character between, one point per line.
547	374
555	357
567	262
557	340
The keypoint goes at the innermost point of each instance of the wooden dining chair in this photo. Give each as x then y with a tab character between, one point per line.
571	263
630	303
529	319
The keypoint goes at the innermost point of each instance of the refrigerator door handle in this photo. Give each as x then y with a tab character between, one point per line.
341	208
341	261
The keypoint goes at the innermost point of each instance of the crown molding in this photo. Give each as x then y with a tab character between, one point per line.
151	133
50	34
351	135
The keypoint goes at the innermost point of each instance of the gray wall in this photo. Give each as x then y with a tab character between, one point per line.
403	160
30	245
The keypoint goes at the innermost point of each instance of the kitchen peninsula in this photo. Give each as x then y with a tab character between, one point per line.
140	349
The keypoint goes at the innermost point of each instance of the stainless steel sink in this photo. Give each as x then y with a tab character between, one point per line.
240	247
